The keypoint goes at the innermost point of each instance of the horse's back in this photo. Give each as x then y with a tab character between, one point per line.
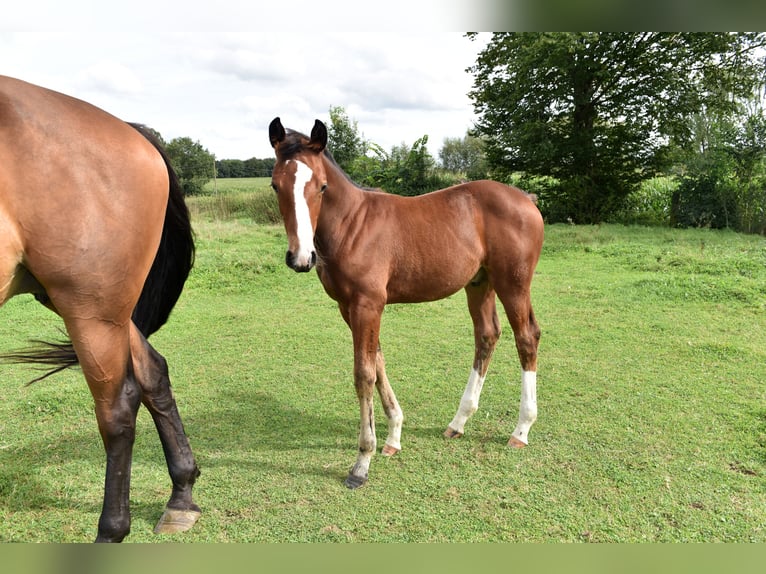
506	220
82	197
505	201
499	212
511	205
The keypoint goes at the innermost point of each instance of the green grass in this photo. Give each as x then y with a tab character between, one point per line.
652	406
248	198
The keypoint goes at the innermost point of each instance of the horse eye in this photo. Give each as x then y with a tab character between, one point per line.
323	188
274	187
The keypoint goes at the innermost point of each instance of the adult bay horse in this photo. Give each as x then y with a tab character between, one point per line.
371	248
94	224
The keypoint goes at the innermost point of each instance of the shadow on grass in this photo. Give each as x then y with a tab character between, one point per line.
249	432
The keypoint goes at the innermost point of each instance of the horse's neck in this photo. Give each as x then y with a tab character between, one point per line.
343	201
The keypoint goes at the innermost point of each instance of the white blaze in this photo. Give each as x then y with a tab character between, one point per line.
304	231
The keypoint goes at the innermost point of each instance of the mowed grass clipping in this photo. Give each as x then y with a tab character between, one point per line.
652	408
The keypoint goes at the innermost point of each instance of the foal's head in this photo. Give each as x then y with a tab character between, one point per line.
299	180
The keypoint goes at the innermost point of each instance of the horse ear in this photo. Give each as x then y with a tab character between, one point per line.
276	132
318	137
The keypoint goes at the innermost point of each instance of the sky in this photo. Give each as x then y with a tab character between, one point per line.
219	72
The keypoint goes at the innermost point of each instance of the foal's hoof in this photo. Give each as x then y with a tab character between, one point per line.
174	520
514	442
353	482
452	433
389	450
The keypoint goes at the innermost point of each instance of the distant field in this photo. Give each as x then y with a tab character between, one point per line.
249	198
652	405
238	184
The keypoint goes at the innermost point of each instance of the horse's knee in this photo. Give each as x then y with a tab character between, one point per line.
364	379
113	528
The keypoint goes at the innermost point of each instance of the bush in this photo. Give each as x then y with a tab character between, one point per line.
650	204
702	200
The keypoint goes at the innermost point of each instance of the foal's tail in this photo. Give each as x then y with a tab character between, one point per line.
174	259
162	288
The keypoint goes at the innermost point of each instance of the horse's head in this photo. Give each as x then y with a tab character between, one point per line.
299	180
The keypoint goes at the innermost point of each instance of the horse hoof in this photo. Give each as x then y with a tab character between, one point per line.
452	433
389	450
514	442
174	520
353	482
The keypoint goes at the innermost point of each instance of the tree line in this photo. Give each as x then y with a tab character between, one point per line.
661	128
253	167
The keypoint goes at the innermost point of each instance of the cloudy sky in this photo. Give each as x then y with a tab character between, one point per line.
220	71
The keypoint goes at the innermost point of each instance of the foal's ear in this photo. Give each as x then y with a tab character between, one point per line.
318	137
276	132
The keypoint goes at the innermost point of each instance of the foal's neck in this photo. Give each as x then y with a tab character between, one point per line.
342	194
341	203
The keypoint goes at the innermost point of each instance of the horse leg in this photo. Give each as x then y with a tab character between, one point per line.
151	372
364	319
103	351
486	332
390	407
518	307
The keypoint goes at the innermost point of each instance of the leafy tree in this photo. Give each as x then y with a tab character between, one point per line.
464	156
230	168
600	112
192	162
405	170
344	141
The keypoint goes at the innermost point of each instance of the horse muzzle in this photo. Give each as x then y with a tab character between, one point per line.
300	266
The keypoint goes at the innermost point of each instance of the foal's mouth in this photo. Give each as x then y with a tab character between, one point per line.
300	267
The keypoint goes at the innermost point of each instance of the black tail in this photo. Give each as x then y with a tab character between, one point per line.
174	259
163	285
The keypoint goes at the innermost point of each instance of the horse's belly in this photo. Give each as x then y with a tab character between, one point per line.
431	286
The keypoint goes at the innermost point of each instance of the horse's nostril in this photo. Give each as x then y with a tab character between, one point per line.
295	265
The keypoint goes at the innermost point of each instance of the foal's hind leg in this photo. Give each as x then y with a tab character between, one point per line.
518	307
151	372
486	330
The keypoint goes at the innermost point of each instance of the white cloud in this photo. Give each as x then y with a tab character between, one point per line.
110	77
188	76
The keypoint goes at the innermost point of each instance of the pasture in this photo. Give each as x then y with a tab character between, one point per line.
652	404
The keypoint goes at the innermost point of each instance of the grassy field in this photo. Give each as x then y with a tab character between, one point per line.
652	405
249	198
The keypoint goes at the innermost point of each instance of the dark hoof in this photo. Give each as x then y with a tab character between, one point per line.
354	481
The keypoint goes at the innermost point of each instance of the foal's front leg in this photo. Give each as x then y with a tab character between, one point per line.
364	320
390	406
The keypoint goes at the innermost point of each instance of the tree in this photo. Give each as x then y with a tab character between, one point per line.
464	156
344	141
601	112
724	184
193	164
